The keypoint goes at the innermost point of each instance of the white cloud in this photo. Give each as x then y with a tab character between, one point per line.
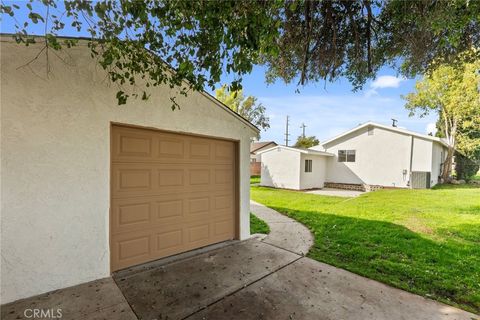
381	83
370	93
386	82
431	128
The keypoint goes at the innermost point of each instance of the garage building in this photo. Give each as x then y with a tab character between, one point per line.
90	187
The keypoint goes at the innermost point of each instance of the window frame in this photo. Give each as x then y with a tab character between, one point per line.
349	154
308	166
346	155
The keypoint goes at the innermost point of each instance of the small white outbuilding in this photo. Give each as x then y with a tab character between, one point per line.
293	168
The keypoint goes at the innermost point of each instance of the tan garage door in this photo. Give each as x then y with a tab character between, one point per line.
170	193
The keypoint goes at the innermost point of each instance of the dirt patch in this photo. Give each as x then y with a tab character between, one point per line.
417	224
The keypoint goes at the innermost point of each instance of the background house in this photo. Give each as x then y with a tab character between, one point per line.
255	157
369	157
293	168
90	187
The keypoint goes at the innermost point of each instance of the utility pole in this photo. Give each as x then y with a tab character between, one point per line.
286	132
303	126
394	122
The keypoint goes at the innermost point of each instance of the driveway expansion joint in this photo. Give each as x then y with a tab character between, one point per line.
242	288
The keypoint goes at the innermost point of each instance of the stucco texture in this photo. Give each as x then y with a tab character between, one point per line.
55	165
280	169
381	159
316	178
285	168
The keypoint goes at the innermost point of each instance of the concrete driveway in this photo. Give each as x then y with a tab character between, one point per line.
253	279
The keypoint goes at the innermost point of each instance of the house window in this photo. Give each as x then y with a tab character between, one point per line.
370	131
346	155
308	165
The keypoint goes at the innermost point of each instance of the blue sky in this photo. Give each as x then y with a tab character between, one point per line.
327	109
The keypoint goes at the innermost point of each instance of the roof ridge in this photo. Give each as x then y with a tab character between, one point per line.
394	129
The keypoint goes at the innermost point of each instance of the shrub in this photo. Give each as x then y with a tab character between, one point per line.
465	168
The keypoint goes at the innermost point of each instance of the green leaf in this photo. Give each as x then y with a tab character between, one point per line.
35	17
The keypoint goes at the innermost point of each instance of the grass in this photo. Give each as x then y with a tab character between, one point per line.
423	241
254	179
257	225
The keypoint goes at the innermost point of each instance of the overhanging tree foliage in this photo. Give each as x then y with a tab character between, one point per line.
298	40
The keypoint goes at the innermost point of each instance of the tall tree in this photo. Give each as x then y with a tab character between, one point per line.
452	92
299	40
306	142
247	107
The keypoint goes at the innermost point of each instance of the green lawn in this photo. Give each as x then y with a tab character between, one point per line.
254	179
422	241
257	225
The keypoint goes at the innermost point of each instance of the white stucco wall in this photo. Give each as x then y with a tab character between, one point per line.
439	153
316	178
55	165
380	158
281	169
422	155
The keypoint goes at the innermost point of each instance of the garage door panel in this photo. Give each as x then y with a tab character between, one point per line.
199	177
198	205
132	144
140	179
170	177
169	240
222	227
224	152
223	201
131	214
223	176
168	209
170	147
127	251
134	214
170	193
198	232
200	149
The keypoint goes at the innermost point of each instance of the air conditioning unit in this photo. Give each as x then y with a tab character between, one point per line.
420	180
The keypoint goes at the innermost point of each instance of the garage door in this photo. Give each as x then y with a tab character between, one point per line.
170	193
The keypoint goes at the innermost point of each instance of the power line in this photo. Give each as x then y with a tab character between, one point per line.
286	132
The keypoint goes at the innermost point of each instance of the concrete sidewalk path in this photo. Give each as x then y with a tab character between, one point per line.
285	232
269	279
307	289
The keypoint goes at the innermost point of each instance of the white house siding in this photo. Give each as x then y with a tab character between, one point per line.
422	155
281	169
55	165
316	178
439	152
381	158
